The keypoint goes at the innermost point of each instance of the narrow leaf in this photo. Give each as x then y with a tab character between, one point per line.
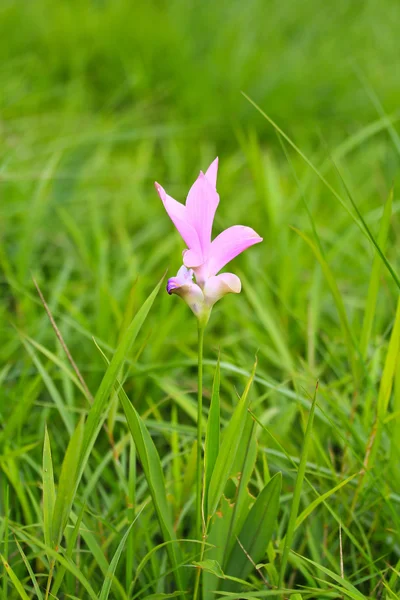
105	590
211	447
96	415
256	532
297	490
66	485
228	449
48	490
151	465
14	579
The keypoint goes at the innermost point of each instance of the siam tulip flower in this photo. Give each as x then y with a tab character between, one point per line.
198	281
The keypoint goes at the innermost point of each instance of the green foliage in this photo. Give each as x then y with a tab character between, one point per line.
97	490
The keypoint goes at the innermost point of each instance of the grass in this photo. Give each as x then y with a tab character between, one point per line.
99	100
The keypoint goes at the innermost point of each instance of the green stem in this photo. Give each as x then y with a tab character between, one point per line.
297	491
199	529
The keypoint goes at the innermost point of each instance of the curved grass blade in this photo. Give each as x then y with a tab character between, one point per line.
14	579
297	491
361	222
96	414
30	571
105	590
347	333
228	449
151	465
345	587
256	532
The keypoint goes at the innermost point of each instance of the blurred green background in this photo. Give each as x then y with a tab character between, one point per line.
99	99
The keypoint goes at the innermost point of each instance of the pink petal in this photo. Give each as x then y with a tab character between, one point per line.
228	244
219	285
201	204
192	259
212	171
178	214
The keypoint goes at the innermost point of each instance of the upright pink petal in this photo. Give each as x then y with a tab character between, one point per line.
212	171
229	244
201	204
178	214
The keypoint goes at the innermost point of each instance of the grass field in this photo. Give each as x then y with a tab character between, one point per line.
300	101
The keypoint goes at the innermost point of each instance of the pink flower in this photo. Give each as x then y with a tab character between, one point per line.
203	258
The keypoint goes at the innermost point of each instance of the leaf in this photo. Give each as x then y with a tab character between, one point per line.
297	490
345	586
151	465
211	566
256	532
338	300
309	509
96	417
243	467
361	222
374	282
227	452
31	573
67	485
48	490
14	579
211	447
105	590
161	596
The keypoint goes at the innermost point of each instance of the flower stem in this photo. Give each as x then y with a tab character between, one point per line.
199	432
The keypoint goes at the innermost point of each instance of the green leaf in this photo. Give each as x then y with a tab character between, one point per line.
30	571
96	414
161	596
297	490
151	465
211	447
361	222
374	281
211	566
48	490
256	532
345	586
313	505
67	484
105	590
14	579
227	453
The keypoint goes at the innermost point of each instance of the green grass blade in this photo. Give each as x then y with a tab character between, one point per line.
313	505
70	548
48	490
96	415
106	587
373	288
30	571
297	490
361	222
227	452
256	532
67	484
151	465
345	586
347	333
14	579
211	446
